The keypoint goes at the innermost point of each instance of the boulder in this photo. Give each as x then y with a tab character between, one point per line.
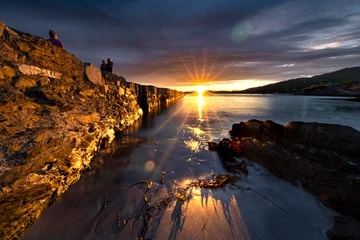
323	158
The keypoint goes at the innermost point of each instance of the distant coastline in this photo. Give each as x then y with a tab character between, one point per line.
342	83
210	92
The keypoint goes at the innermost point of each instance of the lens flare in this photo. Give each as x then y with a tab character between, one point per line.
149	165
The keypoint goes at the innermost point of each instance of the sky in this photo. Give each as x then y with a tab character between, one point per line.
219	44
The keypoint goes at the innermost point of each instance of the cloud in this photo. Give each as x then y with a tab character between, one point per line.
161	42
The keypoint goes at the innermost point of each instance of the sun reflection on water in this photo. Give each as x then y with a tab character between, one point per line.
193	145
197	131
196	136
200	103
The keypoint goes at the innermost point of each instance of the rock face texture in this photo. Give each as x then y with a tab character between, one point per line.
323	158
55	113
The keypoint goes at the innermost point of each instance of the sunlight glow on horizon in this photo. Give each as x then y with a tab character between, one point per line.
200	90
231	85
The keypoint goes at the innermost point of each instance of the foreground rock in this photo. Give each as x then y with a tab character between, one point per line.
55	114
323	158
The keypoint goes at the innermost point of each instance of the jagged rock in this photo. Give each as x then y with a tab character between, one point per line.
212	146
345	228
323	158
93	74
56	113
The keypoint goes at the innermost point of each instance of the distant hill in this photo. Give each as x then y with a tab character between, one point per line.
344	82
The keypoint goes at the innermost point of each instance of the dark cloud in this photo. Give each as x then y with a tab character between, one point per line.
175	42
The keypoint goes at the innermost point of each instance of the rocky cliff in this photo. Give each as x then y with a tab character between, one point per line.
56	112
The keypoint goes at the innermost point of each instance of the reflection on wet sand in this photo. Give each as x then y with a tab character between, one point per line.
203	217
187	212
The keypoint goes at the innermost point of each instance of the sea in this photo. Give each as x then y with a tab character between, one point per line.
146	185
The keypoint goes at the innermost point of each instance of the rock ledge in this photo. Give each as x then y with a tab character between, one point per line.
55	114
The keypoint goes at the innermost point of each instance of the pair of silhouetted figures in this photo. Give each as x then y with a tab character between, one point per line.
107	66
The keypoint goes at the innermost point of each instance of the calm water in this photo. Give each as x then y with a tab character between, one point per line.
134	191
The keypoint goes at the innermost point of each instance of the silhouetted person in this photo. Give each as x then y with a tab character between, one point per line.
54	40
103	66
109	65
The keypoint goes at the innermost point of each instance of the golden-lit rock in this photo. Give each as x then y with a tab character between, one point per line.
55	114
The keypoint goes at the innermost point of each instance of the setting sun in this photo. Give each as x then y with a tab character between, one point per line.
200	90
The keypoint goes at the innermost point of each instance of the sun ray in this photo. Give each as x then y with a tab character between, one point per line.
195	68
188	70
204	67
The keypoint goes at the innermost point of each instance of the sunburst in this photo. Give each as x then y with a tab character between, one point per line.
200	89
199	72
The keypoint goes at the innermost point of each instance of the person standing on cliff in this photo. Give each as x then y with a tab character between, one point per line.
54	39
109	65
103	66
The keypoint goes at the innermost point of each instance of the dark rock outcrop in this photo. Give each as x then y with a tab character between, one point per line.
55	114
323	158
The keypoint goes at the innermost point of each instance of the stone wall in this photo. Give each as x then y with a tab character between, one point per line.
55	114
